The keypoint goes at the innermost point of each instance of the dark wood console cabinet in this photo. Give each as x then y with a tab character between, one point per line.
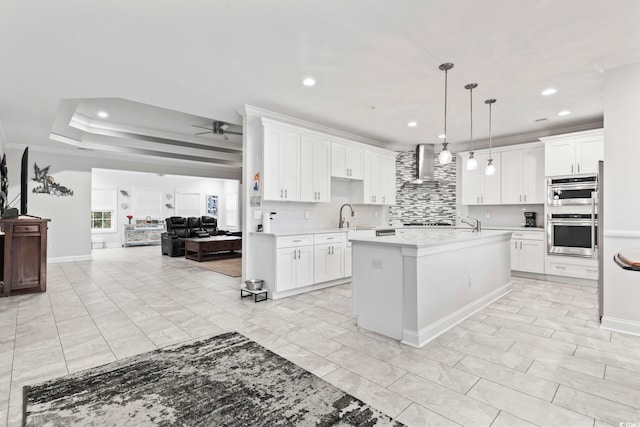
24	254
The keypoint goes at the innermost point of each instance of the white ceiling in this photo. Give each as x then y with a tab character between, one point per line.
208	58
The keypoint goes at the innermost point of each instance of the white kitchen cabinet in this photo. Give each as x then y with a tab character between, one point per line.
388	179
294	262
378	186
315	160
281	164
573	153
527	251
347	260
569	266
328	261
522	176
479	188
346	160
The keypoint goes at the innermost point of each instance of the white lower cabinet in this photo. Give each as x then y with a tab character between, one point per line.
294	262
347	261
328	258
527	251
569	266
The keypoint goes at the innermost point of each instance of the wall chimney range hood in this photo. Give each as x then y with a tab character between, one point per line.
424	163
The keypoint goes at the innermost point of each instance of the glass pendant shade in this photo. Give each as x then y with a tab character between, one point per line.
491	168
445	155
472	162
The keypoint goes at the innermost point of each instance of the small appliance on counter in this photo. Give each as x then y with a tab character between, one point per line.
530	219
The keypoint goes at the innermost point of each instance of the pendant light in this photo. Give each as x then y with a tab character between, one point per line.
445	154
472	163
491	168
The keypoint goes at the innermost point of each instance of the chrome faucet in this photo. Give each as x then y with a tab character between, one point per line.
342	219
476	225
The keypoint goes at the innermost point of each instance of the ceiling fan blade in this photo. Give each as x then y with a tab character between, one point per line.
202	127
203	133
233	133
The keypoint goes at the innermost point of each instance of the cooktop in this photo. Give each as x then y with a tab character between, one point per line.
428	223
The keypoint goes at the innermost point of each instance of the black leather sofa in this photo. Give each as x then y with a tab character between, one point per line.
180	227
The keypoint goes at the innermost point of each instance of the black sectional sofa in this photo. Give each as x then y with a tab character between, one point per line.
181	227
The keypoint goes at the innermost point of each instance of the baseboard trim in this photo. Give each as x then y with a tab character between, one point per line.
315	287
571	280
434	330
56	260
527	275
620	325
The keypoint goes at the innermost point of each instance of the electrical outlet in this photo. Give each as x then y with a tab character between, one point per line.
307	215
459	214
487	214
376	263
375	214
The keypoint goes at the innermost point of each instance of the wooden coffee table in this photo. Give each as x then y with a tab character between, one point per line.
214	247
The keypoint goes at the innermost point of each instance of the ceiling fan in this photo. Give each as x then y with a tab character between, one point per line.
217	128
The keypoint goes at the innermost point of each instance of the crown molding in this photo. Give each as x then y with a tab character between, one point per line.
618	60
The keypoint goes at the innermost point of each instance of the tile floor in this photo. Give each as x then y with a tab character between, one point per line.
535	357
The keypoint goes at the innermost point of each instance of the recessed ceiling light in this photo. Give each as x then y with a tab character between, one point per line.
549	91
103	114
412	124
564	113
442	136
309	82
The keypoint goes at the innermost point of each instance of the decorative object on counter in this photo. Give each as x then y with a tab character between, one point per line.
168	205
491	168
445	154
212	205
228	378
256	182
125	193
267	217
47	183
124	206
472	163
148	219
129	217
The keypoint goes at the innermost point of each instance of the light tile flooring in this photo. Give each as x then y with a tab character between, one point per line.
535	357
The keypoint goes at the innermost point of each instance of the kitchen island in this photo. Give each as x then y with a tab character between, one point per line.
415	285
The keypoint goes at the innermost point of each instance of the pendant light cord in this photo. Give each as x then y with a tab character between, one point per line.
471	114
446	72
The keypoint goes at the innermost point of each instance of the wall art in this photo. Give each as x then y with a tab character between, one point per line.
212	205
47	183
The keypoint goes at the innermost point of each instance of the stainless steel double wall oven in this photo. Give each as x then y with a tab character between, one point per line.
572	215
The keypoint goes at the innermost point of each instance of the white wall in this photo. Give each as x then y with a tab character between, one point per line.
70	228
168	187
621	196
69	235
505	215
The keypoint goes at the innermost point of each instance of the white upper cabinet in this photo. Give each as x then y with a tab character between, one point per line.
573	153
378	186
346	160
281	164
479	188
522	176
388	176
315	160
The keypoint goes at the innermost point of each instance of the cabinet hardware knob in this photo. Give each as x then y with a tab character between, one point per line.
285	193
281	193
578	167
525	198
571	168
521	197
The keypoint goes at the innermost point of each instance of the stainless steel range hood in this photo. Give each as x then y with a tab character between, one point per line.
424	163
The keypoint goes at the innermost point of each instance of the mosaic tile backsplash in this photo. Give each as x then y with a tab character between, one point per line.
430	201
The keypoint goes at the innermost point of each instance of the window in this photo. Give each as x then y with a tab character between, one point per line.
101	220
103	210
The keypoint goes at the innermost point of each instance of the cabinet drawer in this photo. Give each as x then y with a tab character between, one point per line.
26	228
572	270
292	241
319	239
528	235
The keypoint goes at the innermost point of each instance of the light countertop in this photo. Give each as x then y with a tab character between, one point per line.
416	228
432	237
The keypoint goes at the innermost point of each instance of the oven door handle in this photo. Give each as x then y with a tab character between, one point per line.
569	186
576	222
594	197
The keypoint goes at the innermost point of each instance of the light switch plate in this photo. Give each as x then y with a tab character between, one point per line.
307	215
